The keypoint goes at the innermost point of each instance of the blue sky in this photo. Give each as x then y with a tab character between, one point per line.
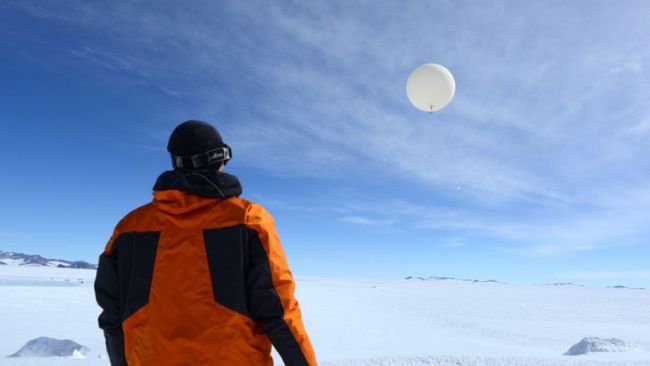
538	171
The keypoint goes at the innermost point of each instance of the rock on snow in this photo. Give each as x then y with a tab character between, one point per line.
51	347
595	344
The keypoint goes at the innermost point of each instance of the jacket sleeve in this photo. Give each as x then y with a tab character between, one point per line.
270	291
107	293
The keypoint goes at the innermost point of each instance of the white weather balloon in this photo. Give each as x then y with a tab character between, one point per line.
430	87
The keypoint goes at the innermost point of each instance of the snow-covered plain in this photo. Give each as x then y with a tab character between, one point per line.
357	322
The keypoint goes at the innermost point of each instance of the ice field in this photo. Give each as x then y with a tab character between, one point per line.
386	322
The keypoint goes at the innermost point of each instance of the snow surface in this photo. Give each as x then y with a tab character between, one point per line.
359	322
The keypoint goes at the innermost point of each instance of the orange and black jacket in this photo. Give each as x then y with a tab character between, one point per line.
199	277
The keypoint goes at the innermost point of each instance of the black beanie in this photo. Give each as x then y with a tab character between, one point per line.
194	137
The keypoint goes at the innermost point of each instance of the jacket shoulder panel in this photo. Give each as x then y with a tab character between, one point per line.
135	256
134	219
256	215
227	253
126	224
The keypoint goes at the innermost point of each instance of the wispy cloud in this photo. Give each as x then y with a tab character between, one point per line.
454	243
362	220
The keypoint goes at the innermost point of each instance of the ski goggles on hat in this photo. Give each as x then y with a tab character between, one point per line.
202	160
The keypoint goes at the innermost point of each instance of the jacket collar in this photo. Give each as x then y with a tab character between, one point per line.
208	183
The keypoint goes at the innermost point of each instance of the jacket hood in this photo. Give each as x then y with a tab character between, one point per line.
172	188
